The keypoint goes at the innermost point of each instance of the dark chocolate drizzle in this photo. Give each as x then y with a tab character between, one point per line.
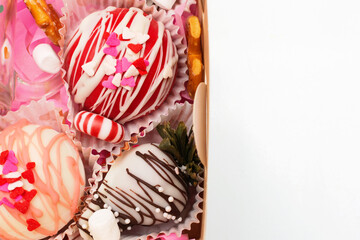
123	199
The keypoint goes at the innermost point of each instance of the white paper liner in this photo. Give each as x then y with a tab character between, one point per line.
43	112
74	12
192	208
182	113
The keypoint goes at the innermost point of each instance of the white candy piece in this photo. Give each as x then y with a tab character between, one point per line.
103	225
46	58
166	4
117	80
128	34
14	185
131	72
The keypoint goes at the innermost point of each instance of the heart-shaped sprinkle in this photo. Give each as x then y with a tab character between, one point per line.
12	175
122	38
14	185
128	34
116	80
29	175
11	157
132	71
141	39
22	206
135	47
28	196
89	68
125	64
128	82
2	181
9	167
113	40
12	180
16	192
140	64
30	165
32	224
109	65
6	202
108	83
4	187
112	51
3	157
18	198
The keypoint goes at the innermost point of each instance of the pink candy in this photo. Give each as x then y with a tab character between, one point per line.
113	40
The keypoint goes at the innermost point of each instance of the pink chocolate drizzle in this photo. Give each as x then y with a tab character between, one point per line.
15	138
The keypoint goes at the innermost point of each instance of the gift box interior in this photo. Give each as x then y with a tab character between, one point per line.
40	47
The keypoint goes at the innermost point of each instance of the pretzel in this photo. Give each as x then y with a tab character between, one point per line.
195	65
46	18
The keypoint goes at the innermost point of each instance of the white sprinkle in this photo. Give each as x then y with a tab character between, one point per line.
84	226
106	206
137	209
116	214
170	199
109	207
173	217
157	210
165	215
127	221
12	175
160	189
129	228
168	209
180	219
177	171
96	196
169	217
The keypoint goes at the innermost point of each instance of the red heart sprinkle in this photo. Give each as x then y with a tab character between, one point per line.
135	47
12	180
142	72
16	192
29	175
28	196
2	181
122	39
32	224
140	64
22	206
30	165
3	157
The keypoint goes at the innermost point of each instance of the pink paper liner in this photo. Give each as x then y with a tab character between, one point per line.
74	12
181	112
43	112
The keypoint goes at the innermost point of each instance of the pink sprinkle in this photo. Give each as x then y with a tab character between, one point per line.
4	187
11	157
118	66
125	64
128	82
9	167
108	83
18	198
113	40
7	202
146	62
111	51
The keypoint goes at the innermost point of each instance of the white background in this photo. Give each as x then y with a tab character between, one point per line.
284	157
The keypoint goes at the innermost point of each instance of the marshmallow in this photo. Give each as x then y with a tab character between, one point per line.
103	225
166	4
46	58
